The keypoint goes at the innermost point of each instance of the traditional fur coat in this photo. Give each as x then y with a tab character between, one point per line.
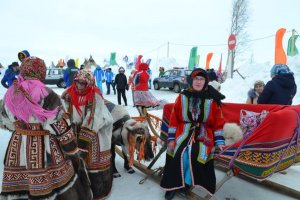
93	127
38	158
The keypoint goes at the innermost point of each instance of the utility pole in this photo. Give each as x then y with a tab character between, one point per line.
168	49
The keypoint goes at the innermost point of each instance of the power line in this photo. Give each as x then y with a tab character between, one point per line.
155	49
213	45
199	45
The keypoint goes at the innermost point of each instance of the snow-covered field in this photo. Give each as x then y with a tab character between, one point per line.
235	90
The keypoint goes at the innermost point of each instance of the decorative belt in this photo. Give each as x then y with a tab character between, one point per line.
32	132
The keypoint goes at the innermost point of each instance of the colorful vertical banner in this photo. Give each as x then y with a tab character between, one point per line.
112	60
197	60
125	59
148	61
292	49
61	62
208	58
77	62
280	56
219	72
192	60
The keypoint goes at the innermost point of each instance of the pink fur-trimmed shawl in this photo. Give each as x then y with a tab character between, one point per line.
23	98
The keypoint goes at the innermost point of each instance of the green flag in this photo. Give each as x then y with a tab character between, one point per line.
197	60
292	49
112	58
192	60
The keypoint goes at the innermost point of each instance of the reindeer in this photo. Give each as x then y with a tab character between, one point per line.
130	135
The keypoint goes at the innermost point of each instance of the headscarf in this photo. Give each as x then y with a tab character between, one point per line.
208	92
33	68
24	96
198	72
87	96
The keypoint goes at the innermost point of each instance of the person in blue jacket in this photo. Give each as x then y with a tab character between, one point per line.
281	89
70	72
23	54
99	76
10	75
109	79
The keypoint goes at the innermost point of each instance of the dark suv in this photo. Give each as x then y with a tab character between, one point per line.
173	79
55	76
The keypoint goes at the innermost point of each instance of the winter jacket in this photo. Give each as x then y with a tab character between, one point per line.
109	76
141	80
69	75
99	74
280	90
252	97
121	81
9	77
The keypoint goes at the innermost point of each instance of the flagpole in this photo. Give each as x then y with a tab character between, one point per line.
293	43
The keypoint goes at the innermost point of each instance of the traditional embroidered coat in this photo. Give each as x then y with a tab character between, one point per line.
37	163
197	134
142	96
94	132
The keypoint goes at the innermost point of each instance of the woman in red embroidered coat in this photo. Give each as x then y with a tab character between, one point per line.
196	125
38	158
93	126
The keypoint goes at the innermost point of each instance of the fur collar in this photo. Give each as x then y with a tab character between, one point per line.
209	93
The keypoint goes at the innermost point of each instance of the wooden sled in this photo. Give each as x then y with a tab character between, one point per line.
277	137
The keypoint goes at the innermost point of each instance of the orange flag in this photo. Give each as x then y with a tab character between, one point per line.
280	56
61	64
220	66
208	58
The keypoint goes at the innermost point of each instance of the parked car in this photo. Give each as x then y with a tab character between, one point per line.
55	76
174	79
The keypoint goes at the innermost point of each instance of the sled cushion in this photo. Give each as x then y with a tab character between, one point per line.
273	146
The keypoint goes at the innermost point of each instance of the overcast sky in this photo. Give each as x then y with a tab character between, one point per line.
56	29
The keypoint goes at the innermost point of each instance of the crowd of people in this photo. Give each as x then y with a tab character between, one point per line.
60	145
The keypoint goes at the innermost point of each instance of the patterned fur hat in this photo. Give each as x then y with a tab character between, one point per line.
85	75
198	72
33	68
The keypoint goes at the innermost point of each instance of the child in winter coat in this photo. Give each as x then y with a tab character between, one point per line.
254	93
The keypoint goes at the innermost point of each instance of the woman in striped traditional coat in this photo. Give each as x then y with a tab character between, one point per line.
38	159
195	128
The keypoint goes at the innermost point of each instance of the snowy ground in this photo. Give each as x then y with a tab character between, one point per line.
235	90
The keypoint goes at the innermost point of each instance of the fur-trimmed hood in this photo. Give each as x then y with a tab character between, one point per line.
252	93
